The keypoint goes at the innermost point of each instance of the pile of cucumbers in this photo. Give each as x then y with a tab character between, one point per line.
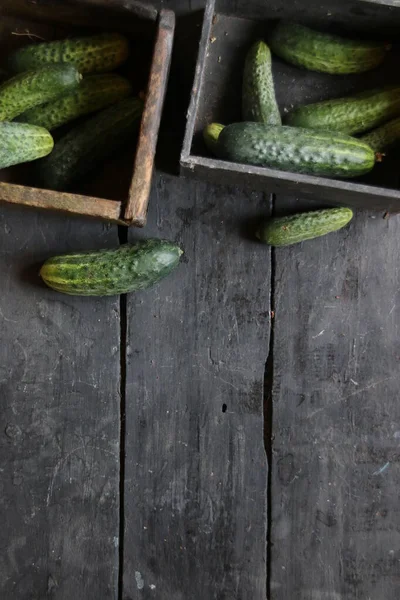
318	139
54	84
57	83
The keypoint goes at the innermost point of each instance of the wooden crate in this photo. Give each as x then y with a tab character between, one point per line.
120	191
228	31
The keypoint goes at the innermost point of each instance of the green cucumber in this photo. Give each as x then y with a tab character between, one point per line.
383	137
284	231
89	144
91	54
323	52
110	272
353	114
94	93
211	134
295	149
20	142
258	93
32	88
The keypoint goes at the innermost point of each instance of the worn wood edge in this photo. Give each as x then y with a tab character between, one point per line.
198	79
139	9
51	10
136	207
60	201
292	183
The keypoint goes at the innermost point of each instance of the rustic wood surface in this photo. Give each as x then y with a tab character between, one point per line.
335	513
195	473
59	395
132	430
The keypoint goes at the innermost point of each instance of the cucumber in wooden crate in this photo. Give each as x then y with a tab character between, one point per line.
383	137
21	142
211	134
295	149
284	231
109	272
324	52
29	89
90	54
87	145
94	93
353	114
258	94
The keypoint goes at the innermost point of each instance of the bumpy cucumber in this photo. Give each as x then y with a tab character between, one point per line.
258	94
20	142
295	149
111	272
324	52
94	93
211	134
87	145
92	54
354	114
29	89
383	137
284	231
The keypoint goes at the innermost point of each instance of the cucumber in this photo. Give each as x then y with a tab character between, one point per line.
89	144
295	149
32	88
110	272
91	54
94	93
284	231
258	92
385	136
211	135
323	52
353	114
20	142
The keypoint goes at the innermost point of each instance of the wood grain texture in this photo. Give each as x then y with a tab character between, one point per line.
195	476
59	430
336	426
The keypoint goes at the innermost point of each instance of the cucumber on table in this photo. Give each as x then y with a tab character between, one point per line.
20	142
90	143
383	137
32	88
110	272
352	114
295	149
284	231
211	134
323	52
258	92
94	93
90	54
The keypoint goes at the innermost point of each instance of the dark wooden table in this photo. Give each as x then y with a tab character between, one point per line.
230	434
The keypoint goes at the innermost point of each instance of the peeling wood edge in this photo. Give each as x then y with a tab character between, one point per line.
136	207
108	210
325	190
198	79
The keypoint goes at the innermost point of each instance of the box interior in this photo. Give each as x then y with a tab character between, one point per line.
112	180
237	25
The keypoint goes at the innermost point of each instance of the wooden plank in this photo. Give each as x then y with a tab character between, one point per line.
195	474
59	442
336	434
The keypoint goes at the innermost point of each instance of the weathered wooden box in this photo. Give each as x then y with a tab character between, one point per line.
120	190
229	28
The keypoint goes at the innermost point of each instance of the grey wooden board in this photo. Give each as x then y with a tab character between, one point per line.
195	476
335	512
59	411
